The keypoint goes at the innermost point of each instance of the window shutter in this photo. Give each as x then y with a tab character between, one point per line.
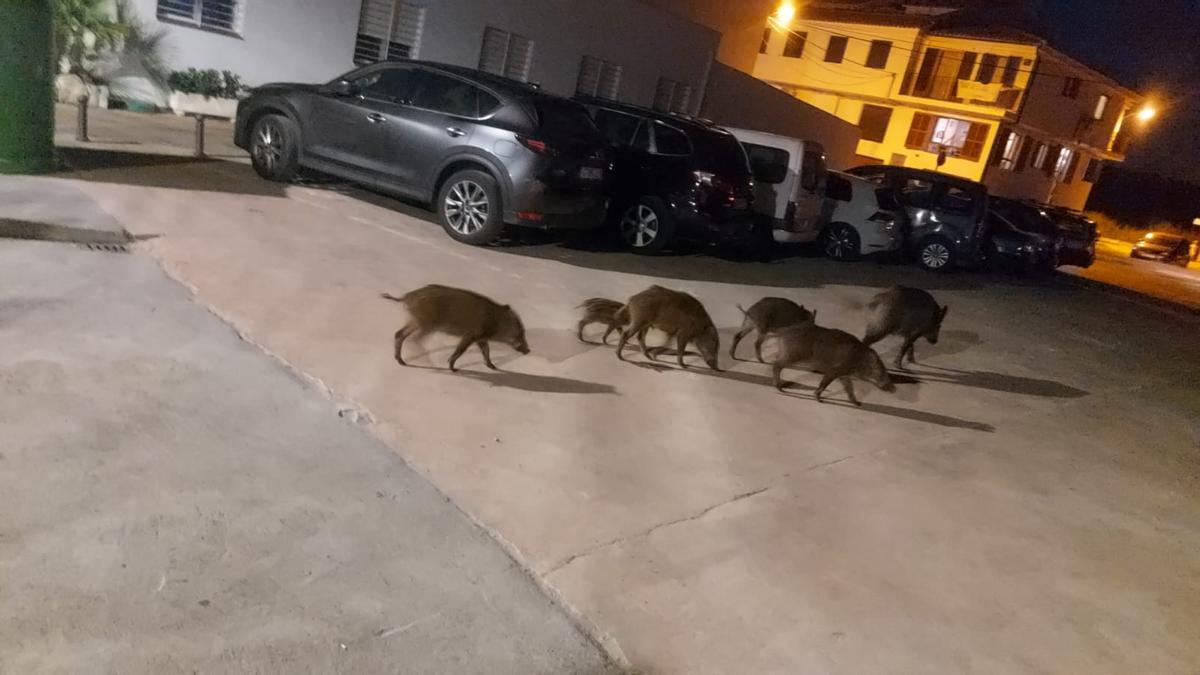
1009	78
1051	160
1072	167
388	29
493	51
589	76
918	133
1023	157
682	99
976	137
520	54
967	65
998	148
663	94
610	81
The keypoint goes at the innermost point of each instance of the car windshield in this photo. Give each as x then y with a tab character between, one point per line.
1162	239
564	119
721	152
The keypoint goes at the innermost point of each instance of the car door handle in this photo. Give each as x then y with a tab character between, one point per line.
455	132
375	118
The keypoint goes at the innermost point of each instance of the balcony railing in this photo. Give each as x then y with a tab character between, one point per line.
955	90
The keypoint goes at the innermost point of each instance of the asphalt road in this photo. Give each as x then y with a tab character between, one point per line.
1156	280
1005	510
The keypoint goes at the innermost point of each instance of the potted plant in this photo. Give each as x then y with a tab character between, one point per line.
205	92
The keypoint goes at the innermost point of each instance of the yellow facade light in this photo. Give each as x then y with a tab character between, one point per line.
1147	113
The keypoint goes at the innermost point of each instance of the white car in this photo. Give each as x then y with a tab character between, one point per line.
864	219
789	183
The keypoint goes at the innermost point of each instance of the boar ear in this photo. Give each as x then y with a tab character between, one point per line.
945	310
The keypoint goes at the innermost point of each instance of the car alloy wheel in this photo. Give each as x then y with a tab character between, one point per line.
935	255
466	207
640	226
268	145
840	243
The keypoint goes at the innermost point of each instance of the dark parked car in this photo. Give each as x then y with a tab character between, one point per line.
1078	235
676	177
483	150
944	214
1009	247
1163	247
1032	220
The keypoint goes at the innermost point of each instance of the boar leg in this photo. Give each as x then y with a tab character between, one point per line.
401	336
487	353
758	343
906	348
625	335
821	387
642	341
458	351
777	375
737	337
850	391
912	357
873	336
611	327
681	343
579	329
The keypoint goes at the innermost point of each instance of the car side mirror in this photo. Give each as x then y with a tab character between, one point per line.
339	88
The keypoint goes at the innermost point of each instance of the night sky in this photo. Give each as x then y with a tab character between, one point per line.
1152	46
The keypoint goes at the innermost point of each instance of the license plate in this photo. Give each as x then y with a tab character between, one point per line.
591	173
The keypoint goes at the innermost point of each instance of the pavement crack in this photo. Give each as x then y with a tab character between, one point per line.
649	531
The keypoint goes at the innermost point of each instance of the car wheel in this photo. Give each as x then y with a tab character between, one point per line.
936	254
841	242
274	148
646	227
468	205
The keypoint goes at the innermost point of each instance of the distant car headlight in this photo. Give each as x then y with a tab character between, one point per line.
1027	248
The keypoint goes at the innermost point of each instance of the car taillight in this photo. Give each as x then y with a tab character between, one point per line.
538	146
723	188
885	218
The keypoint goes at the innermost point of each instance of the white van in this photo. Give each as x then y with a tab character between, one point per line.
789	183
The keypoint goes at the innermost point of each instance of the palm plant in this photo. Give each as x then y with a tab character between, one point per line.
142	44
83	29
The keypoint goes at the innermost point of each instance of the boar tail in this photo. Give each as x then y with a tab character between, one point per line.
622	315
393	298
741	309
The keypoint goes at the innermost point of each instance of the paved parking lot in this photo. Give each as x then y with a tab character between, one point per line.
1027	502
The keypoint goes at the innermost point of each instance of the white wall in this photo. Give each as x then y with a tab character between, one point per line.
313	40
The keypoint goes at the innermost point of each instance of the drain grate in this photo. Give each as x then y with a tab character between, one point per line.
107	248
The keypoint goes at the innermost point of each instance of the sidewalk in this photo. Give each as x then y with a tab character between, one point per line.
172	500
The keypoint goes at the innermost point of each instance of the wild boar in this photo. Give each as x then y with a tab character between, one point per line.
600	310
908	312
765	316
467	315
677	314
836	354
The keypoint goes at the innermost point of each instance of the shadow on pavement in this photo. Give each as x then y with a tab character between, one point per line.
1013	384
903	413
166	171
537	383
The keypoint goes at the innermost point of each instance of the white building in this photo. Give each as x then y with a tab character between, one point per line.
622	49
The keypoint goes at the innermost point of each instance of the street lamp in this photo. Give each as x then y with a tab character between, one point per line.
785	13
1147	113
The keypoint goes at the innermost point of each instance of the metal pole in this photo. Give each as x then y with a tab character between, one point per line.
199	135
81	118
26	87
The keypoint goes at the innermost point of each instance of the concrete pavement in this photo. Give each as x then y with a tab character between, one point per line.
1152	279
1028	504
172	500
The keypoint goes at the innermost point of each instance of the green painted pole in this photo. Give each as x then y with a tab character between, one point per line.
26	86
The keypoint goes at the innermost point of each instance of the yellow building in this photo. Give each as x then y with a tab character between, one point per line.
991	104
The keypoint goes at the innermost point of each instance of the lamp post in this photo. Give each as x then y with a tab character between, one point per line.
26	86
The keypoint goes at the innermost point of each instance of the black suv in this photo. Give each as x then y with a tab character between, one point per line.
675	176
1078	234
482	149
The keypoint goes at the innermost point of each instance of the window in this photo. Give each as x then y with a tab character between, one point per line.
812	170
836	50
925	73
1071	87
598	78
794	47
967	65
874	122
763	163
1011	67
672	96
1064	168
1092	173
959	137
447	95
388	30
506	54
618	128
562	119
641	139
766	40
838	188
670	141
218	15
1101	106
878	56
916	192
955	199
987	68
391	85
1010	150
1039	157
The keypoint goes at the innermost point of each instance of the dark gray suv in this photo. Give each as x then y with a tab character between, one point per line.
482	149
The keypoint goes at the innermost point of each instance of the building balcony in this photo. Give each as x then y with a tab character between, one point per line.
969	92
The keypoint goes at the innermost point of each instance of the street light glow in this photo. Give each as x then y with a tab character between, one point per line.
785	13
1147	113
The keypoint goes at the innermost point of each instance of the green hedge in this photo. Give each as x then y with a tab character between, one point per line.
208	83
